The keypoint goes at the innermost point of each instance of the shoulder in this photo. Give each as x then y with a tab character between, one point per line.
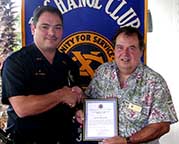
152	76
23	53
107	66
66	59
19	58
149	72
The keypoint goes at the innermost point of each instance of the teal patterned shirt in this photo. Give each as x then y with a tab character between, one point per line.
144	99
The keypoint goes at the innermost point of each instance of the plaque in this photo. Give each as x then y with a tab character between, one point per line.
100	119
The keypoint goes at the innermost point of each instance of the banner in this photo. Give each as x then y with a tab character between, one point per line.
89	26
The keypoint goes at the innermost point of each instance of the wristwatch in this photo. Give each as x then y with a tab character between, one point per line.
128	140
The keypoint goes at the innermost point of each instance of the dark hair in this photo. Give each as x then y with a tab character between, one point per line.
41	9
128	30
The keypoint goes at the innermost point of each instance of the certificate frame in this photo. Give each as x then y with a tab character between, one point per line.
100	119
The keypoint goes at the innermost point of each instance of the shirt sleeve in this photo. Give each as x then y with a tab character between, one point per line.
12	79
162	109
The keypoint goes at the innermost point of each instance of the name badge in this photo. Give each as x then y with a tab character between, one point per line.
40	73
134	107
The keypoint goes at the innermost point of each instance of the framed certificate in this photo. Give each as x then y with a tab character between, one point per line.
100	119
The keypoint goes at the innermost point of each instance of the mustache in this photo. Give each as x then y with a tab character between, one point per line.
51	37
125	58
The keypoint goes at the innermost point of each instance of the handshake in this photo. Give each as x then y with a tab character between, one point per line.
70	95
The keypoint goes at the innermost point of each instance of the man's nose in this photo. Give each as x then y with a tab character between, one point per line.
126	50
51	31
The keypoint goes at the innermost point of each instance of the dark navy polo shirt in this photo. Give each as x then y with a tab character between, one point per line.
28	72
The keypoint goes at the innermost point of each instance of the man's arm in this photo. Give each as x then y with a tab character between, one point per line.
148	133
35	104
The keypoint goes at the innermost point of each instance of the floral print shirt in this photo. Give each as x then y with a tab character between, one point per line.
144	99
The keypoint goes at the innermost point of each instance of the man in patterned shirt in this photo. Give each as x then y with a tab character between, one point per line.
145	107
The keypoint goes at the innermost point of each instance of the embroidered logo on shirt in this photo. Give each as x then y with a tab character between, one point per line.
40	73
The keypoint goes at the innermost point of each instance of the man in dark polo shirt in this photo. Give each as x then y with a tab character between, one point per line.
38	85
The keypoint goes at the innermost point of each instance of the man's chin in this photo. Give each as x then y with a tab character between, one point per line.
51	46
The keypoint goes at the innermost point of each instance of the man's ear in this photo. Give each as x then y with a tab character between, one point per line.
32	26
